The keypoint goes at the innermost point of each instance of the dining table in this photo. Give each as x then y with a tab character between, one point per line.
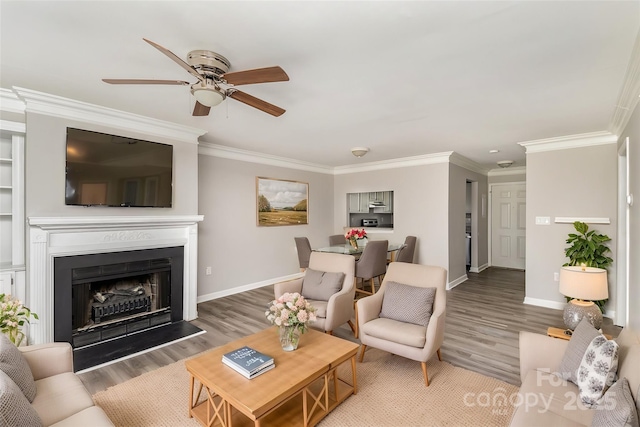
347	249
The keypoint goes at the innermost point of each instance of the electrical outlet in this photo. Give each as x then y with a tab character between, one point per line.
556	276
207	271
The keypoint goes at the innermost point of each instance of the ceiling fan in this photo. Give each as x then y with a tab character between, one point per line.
215	83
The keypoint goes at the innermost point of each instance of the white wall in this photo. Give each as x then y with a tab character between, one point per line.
45	161
633	132
241	254
420	206
577	182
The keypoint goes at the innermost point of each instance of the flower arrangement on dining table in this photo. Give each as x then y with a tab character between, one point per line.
13	316
292	313
354	235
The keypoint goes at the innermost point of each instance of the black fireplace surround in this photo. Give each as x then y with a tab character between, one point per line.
110	305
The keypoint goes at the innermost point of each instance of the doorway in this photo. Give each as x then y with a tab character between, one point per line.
508	225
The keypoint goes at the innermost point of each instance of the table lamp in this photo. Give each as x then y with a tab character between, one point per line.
585	285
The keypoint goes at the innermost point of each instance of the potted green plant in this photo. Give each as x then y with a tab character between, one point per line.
588	248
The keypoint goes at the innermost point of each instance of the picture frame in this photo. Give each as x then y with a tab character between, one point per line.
281	202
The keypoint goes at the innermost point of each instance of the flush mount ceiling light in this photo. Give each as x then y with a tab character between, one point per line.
505	163
208	95
359	151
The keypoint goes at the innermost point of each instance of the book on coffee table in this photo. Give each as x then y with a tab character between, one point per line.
248	361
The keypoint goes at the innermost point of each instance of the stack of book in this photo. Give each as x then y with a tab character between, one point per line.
248	362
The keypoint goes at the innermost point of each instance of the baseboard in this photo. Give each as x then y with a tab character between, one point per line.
248	287
544	303
560	305
456	282
479	269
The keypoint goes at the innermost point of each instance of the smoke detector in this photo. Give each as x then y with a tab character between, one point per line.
505	163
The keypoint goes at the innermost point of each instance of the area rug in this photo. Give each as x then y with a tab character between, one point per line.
391	392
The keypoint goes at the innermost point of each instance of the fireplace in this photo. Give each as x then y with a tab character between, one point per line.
107	253
106	296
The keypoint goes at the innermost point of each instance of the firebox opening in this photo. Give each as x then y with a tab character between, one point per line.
106	309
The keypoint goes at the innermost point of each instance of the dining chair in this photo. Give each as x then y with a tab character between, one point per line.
333	299
407	251
406	316
337	239
304	251
372	264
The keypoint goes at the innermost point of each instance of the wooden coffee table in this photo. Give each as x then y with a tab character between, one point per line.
302	389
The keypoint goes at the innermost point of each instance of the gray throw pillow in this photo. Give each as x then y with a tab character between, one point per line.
580	340
13	363
617	408
15	409
597	370
408	304
320	285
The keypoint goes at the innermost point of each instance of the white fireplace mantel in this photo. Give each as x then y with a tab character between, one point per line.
51	237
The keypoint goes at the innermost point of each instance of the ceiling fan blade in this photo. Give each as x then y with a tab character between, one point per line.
259	75
200	110
255	102
177	60
145	82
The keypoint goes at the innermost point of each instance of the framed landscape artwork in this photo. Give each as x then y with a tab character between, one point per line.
281	202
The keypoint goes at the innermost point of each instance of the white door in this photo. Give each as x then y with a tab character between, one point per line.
508	225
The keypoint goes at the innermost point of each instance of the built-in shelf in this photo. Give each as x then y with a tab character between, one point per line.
571	220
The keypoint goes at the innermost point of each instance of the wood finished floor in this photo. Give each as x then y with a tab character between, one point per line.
484	316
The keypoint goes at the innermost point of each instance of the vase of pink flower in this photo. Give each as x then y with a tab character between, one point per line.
354	235
291	313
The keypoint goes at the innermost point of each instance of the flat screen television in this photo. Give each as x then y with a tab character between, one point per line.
111	170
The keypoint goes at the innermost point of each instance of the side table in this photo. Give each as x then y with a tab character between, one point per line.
565	334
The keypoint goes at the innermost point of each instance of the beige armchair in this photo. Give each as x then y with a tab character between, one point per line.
338	309
405	338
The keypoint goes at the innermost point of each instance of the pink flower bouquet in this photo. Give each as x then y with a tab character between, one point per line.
291	309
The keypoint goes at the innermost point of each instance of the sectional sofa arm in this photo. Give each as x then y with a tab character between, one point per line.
540	352
46	360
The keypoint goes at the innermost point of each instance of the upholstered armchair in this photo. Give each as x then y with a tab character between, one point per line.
330	293
406	316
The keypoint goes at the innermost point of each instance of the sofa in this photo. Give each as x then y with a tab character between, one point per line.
548	398
38	387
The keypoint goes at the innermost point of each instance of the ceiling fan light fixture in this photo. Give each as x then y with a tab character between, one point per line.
359	151
209	96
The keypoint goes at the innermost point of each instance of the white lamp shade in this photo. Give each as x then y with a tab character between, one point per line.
586	283
208	96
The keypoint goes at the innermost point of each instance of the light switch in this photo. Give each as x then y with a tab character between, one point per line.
543	220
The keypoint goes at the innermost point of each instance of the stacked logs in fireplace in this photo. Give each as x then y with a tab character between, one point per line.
118	303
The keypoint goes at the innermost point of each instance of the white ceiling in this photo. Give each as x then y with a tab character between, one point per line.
402	78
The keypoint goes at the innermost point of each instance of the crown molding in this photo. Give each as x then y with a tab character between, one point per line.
57	106
569	141
426	159
629	94
10	102
215	150
463	162
221	151
518	170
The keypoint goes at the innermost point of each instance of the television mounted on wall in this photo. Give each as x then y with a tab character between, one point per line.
112	170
